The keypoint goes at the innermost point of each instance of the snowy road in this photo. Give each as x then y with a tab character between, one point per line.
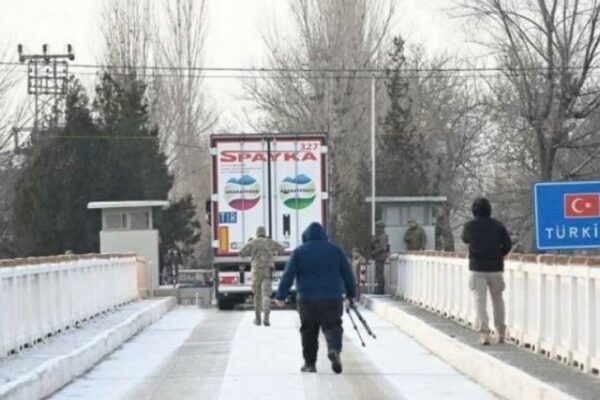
208	354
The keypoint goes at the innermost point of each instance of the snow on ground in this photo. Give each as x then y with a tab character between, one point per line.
209	354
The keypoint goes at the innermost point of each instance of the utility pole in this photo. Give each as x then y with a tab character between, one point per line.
373	144
47	78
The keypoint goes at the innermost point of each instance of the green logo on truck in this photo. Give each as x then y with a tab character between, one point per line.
298	193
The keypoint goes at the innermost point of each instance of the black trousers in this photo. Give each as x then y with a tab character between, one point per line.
320	314
380	277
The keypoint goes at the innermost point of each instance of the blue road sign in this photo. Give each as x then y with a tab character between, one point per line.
567	215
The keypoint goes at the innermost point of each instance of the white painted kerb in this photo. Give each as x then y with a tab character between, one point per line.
501	378
59	371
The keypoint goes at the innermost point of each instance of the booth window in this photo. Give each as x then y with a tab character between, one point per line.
140	220
116	221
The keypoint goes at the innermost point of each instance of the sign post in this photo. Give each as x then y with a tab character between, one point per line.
567	215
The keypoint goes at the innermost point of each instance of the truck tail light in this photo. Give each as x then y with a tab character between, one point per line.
224	239
228	280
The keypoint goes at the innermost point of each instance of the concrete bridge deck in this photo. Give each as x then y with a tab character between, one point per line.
207	354
203	353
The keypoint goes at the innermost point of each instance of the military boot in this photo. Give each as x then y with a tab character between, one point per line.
257	319
266	321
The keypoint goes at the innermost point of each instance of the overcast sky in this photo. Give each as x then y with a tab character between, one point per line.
234	38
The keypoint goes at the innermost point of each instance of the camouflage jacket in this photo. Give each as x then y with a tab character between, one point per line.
415	238
380	245
262	251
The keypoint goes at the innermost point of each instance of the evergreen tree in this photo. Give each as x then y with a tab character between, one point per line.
179	226
110	157
48	215
402	155
9	173
133	166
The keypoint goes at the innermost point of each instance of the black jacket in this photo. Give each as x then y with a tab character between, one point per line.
488	243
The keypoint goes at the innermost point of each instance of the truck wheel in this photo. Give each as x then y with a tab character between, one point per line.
225	304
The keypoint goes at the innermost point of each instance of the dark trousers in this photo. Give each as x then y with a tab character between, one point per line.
320	314
379	277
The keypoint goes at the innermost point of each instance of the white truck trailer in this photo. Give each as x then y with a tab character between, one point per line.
278	181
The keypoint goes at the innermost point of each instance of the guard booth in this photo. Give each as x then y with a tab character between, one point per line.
127	226
397	211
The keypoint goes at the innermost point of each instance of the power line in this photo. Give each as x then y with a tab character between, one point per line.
314	75
121	137
261	70
313	69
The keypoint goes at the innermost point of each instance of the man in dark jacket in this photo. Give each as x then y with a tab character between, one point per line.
488	242
322	272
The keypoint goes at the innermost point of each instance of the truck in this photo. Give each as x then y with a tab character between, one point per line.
278	181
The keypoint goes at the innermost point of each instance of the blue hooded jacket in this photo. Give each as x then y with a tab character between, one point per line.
321	269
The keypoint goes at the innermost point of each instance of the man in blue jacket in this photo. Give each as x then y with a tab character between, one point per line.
322	273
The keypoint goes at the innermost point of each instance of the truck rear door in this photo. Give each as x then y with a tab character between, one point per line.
298	182
240	179
277	181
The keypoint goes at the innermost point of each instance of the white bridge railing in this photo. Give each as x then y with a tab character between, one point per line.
552	302
42	296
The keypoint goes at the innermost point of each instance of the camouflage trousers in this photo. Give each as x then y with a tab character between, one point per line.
262	289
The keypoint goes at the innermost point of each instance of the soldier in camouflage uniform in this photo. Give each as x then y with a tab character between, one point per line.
262	250
358	262
380	247
415	236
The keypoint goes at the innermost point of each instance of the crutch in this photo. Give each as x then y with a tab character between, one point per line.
362	320
355	327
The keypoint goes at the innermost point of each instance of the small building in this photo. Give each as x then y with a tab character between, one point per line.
397	211
127	226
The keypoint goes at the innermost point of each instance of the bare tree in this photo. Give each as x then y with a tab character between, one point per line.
8	172
180	107
162	43
320	87
185	115
545	99
448	116
549	52
127	31
8	80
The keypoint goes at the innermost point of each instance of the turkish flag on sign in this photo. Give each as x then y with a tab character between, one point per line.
582	205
